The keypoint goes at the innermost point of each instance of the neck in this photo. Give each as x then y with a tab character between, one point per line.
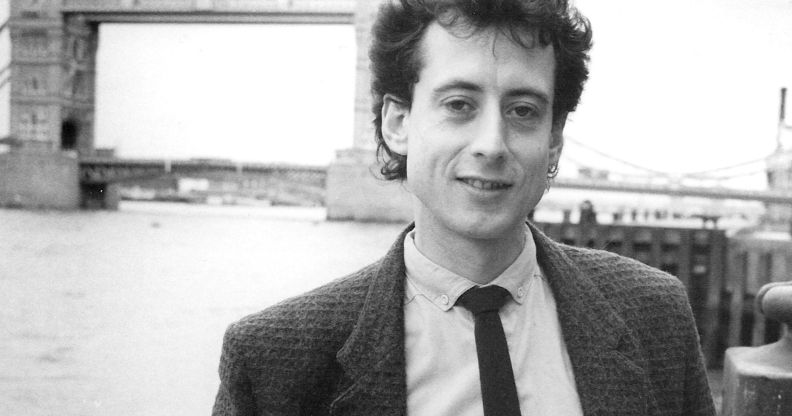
479	260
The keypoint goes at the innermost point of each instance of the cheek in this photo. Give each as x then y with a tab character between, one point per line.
419	159
532	156
427	147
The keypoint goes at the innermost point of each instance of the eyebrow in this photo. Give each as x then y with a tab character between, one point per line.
533	92
469	86
456	85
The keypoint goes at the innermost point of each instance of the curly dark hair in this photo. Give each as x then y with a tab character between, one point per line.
400	26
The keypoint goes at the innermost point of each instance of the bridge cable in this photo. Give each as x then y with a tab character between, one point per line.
603	154
692	175
737	165
580	164
629	176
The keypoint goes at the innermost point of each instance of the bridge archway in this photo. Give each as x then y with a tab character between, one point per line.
54	44
52	62
69	133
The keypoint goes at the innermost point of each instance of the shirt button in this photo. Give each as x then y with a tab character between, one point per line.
443	299
520	292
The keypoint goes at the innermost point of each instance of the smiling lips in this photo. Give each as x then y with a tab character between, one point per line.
483	184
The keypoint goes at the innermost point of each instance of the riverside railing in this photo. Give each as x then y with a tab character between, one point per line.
722	274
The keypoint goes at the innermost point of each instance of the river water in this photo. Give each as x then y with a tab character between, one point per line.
122	313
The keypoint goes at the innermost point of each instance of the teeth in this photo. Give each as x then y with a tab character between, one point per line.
486	185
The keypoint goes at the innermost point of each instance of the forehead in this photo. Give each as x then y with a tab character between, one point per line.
488	56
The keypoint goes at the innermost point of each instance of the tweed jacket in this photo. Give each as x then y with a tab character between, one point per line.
339	349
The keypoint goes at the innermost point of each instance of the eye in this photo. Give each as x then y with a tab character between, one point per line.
458	105
524	111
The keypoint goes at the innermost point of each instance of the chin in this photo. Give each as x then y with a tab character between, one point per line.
489	228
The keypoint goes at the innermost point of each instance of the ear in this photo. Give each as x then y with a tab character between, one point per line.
394	123
557	139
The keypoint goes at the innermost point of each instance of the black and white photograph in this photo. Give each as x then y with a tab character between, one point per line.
395	207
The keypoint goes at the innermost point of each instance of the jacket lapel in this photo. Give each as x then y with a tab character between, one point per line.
373	356
608	364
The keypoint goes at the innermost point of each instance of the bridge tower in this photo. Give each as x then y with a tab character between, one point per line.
46	103
779	167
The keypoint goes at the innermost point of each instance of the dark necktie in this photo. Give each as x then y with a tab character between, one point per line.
498	391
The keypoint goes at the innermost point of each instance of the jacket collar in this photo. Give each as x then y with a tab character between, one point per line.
605	356
373	355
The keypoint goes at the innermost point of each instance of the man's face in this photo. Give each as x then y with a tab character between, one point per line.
479	135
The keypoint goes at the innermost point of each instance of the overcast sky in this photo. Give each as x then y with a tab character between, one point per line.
244	92
675	86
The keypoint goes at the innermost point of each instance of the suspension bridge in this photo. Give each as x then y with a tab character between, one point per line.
99	170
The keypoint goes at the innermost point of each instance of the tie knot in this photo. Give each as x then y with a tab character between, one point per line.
483	299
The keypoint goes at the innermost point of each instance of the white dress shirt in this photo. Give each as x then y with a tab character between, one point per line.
442	365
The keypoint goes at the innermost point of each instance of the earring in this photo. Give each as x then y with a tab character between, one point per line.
552	172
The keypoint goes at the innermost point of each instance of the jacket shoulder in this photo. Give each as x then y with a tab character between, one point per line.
314	317
654	305
286	354
622	279
652	302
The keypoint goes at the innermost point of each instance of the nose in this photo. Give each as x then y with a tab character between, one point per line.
489	140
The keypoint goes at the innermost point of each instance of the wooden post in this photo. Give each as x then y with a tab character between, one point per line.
737	273
656	244
684	258
716	287
628	242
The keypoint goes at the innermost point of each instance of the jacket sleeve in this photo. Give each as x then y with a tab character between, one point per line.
235	396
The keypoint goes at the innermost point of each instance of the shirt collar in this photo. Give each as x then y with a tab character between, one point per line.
443	287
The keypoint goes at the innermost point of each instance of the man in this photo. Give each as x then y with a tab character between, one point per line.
471	98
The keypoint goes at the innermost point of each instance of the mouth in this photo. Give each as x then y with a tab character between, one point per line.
485	184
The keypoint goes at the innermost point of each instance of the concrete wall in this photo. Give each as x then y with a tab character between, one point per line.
39	180
354	193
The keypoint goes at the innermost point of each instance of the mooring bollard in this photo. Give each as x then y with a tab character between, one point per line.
758	380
